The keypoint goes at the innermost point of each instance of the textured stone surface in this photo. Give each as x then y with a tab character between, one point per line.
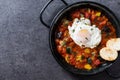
24	47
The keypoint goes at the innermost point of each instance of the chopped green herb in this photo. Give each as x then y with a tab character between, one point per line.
73	30
86	24
91	29
86	38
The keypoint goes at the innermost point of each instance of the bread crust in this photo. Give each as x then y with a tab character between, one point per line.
114	44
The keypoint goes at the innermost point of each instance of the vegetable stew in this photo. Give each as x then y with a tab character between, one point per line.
79	57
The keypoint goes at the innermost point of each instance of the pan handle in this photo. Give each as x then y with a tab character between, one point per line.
43	9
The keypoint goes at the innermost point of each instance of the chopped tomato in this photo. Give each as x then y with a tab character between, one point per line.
87	15
93	17
76	15
59	48
103	22
96	62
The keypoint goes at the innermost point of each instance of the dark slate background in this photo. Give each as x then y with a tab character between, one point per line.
24	46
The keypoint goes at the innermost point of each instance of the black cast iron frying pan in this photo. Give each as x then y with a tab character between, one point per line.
53	28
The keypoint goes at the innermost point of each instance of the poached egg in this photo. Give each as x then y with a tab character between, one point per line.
84	34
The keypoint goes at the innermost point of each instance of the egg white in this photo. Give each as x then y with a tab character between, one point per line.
84	23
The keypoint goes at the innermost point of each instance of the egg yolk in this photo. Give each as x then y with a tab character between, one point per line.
83	36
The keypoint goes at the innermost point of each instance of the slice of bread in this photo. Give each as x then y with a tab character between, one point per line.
114	44
108	54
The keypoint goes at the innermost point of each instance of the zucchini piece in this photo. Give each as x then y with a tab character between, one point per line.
68	50
89	61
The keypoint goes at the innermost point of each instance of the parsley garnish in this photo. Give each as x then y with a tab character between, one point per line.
73	30
91	29
86	38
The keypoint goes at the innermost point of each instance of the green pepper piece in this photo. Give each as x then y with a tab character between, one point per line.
63	43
